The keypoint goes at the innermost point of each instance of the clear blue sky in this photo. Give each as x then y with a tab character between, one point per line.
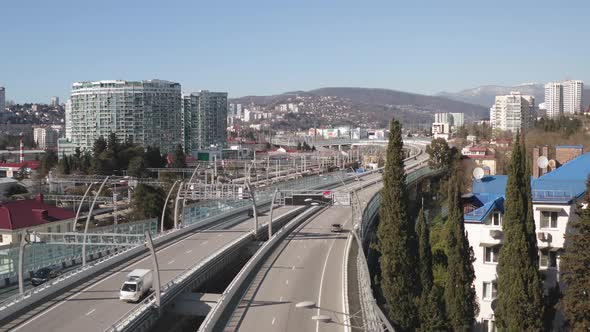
265	47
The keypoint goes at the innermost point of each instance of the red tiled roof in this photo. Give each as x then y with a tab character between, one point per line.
478	149
32	164
30	212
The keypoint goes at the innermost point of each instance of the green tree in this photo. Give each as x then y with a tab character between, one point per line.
179	160
153	158
64	165
99	146
396	239
137	167
575	267
432	311
520	306
441	155
47	163
459	291
147	202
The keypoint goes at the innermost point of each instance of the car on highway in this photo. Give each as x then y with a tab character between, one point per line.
45	274
336	228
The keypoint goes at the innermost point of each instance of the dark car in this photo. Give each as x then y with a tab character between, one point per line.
45	274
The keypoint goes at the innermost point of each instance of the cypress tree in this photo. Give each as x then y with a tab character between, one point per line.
396	239
459	291
575	268
432	312
519	305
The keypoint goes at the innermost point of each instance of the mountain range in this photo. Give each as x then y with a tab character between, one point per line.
376	106
485	95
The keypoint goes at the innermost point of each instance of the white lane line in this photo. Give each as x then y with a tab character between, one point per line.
287	281
90	312
293	267
204	243
172	261
281	299
64	301
219	234
299	257
317	327
273	321
189	251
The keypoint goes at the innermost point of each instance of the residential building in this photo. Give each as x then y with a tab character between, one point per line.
555	197
65	147
458	120
16	217
572	97
205	120
442	118
147	113
553	99
54	102
2	100
68	119
513	112
45	137
481	156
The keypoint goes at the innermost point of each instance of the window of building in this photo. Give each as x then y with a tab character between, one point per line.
497	219
490	290
491	254
49	229
549	219
548	259
58	228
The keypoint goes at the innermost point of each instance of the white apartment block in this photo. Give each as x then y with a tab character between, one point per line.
513	112
572	97
148	113
555	198
205	120
554	99
68	120
45	137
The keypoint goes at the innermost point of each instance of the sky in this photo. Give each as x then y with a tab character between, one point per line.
268	47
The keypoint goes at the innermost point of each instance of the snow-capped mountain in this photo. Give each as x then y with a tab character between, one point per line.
485	95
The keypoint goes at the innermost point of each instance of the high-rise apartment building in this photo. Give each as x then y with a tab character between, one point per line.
205	120
147	113
513	112
458	120
572	97
68	120
54	101
2	99
45	137
554	99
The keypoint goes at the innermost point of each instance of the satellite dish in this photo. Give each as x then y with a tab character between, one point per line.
494	304
542	162
553	164
478	173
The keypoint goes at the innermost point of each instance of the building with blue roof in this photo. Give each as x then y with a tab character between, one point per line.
556	196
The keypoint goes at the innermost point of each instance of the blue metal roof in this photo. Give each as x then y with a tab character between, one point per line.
483	212
560	186
569	147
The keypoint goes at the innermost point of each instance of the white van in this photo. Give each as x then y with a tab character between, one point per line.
137	283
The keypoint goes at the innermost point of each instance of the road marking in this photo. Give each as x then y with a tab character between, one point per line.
281	299
170	262
90	312
287	281
219	234
204	243
299	257
189	251
319	302
273	321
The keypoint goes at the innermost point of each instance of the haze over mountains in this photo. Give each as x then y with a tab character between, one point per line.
485	95
375	105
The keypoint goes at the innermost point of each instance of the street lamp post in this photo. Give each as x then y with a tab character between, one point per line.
166	204
272	205
176	205
88	220
82	203
368	325
157	287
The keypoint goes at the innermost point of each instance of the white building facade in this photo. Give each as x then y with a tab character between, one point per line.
513	112
2	99
205	120
554	99
572	97
555	198
45	137
147	113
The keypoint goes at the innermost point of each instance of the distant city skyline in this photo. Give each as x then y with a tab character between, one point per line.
274	47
